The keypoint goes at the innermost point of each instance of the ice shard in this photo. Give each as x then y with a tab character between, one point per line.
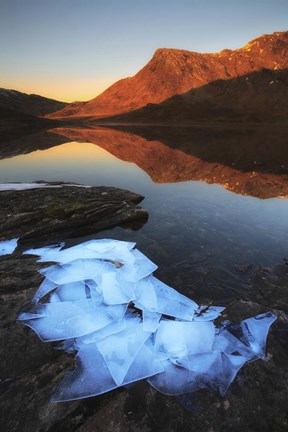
118	355
101	300
7	247
66	320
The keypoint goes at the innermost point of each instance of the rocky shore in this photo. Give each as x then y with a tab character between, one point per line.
62	210
31	369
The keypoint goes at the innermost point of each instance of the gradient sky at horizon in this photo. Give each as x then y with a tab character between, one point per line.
74	49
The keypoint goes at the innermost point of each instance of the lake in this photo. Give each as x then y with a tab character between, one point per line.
214	215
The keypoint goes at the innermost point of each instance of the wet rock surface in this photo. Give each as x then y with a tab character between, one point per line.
65	210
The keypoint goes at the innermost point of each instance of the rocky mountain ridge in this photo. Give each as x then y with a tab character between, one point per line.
256	97
31	104
172	71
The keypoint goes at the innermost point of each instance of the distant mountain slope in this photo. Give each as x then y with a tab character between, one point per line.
29	104
259	96
15	123
173	71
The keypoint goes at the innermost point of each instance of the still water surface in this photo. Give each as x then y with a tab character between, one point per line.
199	234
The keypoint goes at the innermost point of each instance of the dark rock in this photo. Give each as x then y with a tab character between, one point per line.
65	210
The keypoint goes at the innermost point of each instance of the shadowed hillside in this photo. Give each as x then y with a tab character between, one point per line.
14	124
29	104
256	97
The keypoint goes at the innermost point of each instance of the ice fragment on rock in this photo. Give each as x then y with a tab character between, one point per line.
141	267
66	320
113	293
7	247
46	287
150	321
127	325
93	249
145	294
47	253
92	377
258	327
171	302
77	270
181	339
118	355
110	329
72	291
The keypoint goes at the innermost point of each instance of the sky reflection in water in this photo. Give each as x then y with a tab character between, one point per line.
190	223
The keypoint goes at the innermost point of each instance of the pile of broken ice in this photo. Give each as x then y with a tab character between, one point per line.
103	302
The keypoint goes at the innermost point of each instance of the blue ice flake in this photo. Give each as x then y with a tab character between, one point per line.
110	329
230	366
40	312
72	291
187	374
172	381
66	320
177	339
77	270
46	253
119	350
93	249
150	320
7	247
139	269
258	328
248	337
92	376
227	343
170	302
117	311
45	288
112	290
145	295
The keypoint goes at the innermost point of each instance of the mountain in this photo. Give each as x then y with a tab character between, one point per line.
29	104
172	71
14	124
256	97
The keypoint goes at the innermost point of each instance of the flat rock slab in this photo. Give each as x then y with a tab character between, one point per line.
66	211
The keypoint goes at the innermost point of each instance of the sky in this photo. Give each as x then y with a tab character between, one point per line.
74	49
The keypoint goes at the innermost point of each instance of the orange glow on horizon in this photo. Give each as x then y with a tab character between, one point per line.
61	90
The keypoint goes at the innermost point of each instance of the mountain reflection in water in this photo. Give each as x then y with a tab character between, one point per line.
246	161
208	242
